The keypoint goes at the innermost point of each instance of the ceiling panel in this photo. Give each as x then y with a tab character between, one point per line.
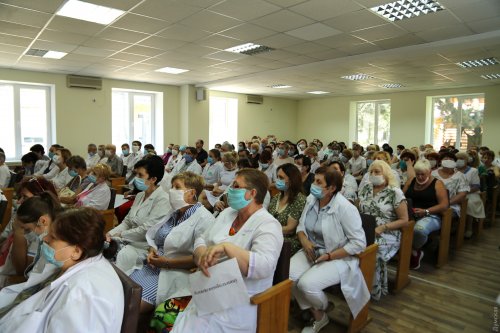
184	33
173	12
162	43
47	6
18	29
360	19
210	21
283	20
122	35
243	9
324	9
140	23
248	32
66	24
23	16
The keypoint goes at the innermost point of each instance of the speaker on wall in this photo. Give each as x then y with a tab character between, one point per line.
201	94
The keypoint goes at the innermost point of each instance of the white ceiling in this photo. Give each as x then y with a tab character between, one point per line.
316	42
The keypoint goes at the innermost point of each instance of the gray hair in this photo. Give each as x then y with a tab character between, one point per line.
422	165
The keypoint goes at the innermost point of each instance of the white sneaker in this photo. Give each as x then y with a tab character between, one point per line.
317	325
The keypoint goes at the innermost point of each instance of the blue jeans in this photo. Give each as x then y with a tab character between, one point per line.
423	228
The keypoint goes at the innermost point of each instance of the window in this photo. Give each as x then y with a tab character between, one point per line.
373	122
223	120
25	118
134	115
457	120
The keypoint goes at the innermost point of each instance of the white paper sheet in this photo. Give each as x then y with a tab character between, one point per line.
119	200
224	288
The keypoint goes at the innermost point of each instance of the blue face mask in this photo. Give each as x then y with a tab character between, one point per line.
253	151
210	160
49	254
281	185
368	162
264	165
140	184
146	152
188	158
73	173
281	152
91	154
51	154
317	191
92	179
236	198
125	152
291	152
402	165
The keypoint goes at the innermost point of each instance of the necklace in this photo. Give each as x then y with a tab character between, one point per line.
235	227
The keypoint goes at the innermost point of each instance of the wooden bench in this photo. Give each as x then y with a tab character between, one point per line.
444	238
117	183
109	219
404	256
461	221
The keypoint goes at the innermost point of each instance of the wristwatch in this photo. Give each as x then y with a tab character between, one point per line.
427	213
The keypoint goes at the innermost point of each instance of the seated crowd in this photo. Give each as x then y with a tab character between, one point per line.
188	208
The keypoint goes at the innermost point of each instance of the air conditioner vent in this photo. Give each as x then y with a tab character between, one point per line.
255	99
88	82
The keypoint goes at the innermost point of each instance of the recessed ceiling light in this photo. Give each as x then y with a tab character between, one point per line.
172	70
54	54
392	85
280	86
318	92
491	76
477	63
405	9
249	49
357	77
89	12
45	53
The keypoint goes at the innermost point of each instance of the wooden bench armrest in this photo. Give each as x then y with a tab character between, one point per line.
271	292
369	250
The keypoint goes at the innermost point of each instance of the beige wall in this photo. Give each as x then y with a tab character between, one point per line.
84	115
328	118
276	116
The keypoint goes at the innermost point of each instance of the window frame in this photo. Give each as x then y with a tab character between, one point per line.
429	137
50	132
227	102
377	103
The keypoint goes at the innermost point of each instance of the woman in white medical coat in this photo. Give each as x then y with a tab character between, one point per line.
171	253
87	296
331	233
150	207
247	232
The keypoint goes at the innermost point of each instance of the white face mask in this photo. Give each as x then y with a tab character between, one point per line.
460	163
450	164
177	198
433	163
56	159
377	180
107	153
135	149
175	152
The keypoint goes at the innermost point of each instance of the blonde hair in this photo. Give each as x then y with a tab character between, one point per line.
191	181
231	157
102	170
311	150
422	165
385	155
386	171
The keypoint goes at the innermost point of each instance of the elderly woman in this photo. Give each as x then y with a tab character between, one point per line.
288	204
267	166
150	207
331	234
381	156
405	167
434	159
349	184
382	198
454	181
303	163
475	207
312	153
429	200
171	241
226	177
357	163
87	296
254	154
63	177
97	194
247	232
173	159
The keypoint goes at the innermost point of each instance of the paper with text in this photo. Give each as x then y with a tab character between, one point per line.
224	288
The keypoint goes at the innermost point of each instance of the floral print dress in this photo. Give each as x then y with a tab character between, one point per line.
383	207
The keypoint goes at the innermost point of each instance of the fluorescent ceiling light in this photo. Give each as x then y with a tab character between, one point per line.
392	85
45	53
318	92
280	86
54	54
491	76
172	70
357	77
405	9
89	12
478	63
249	49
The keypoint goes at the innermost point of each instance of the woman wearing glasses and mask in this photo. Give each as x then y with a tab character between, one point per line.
331	234
247	232
171	241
